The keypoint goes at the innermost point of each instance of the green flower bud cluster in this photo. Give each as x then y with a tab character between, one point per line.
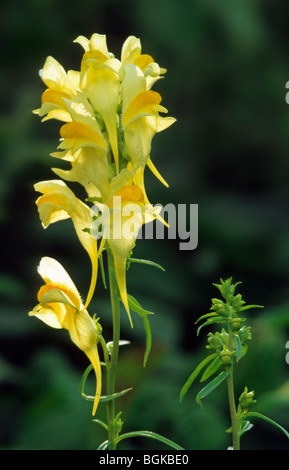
220	343
245	401
232	305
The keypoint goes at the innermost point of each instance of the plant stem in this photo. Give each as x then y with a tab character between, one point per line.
111	370
231	397
233	413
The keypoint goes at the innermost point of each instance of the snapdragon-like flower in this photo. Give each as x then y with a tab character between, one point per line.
60	306
141	121
60	85
121	220
58	202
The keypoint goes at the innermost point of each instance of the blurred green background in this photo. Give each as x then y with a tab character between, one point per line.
228	64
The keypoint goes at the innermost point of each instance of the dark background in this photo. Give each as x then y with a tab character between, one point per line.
228	64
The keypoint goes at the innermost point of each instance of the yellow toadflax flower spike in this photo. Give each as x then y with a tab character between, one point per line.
58	203
60	306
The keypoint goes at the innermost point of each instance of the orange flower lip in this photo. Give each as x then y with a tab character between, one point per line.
48	287
129	193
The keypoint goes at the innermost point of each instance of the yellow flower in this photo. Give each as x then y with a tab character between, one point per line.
95	48
60	306
61	85
121	224
131	54
100	81
58	202
141	121
84	145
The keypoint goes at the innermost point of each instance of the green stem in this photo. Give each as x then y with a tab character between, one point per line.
111	370
231	397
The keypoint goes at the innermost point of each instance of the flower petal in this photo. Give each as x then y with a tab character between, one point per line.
54	274
48	315
102	87
57	200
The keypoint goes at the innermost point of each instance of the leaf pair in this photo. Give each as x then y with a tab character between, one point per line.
216	363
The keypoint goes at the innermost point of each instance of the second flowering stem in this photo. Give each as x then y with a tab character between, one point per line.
231	399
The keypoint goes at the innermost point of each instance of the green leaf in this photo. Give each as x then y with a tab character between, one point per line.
101	423
122	342
269	420
145	261
246	427
104	445
238	347
211	369
211	322
136	307
103	398
211	386
208	315
194	374
151	435
102	270
247	307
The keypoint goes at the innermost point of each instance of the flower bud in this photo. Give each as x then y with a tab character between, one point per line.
226	355
218	340
246	399
236	323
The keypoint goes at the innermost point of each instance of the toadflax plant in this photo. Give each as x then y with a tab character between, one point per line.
227	347
109	115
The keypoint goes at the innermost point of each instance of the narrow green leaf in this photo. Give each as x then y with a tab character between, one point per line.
103	398
246	427
211	369
207	315
247	307
238	347
211	386
101	423
83	380
136	307
102	270
122	342
145	261
104	445
194	374
151	435
211	322
252	414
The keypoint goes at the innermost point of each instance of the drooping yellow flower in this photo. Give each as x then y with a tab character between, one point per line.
60	306
58	202
121	224
60	86
141	121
